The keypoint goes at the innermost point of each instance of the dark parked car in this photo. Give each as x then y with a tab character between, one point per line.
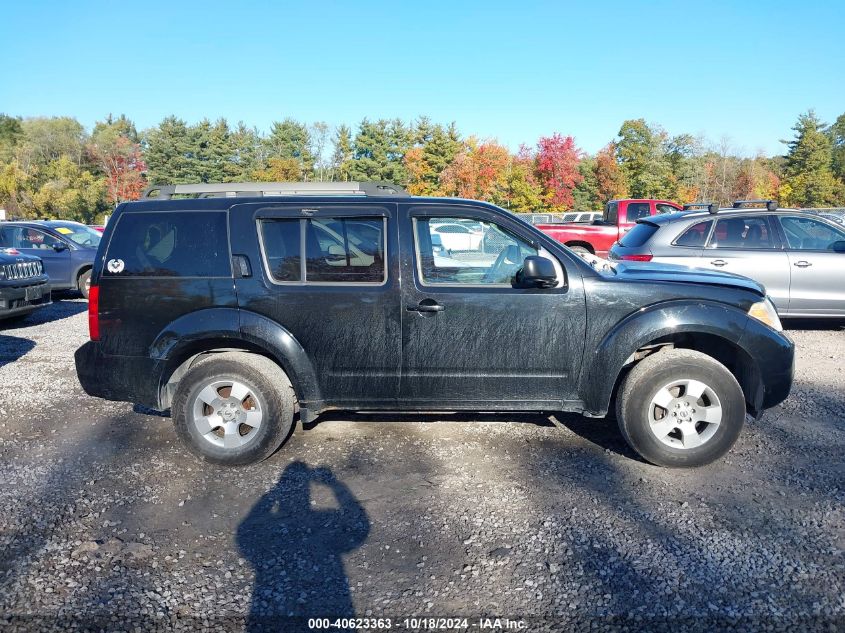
66	248
799	257
233	311
23	285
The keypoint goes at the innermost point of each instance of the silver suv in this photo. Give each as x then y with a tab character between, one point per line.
798	256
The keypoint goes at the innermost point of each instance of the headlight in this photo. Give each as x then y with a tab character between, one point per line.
765	311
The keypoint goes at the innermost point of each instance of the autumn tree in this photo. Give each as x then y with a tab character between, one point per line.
479	171
11	133
610	181
557	170
115	149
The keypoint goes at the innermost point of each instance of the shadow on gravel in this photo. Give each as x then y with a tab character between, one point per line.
61	308
13	347
294	538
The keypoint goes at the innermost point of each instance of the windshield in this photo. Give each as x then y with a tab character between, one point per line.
79	234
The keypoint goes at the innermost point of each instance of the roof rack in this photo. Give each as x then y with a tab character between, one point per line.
711	207
771	205
259	189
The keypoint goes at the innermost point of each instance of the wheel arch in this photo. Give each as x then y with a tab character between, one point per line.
710	328
185	341
582	244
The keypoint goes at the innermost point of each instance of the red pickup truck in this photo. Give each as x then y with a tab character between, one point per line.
598	236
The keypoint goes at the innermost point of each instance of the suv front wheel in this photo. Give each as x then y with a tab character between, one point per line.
234	408
680	408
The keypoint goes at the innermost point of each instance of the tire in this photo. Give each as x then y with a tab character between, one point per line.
689	431
219	426
83	283
580	250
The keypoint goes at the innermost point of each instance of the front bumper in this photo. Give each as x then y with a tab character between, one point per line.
122	378
774	356
15	300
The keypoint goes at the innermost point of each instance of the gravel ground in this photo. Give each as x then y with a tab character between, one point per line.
108	523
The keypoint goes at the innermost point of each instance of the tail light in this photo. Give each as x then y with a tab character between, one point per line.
636	258
94	313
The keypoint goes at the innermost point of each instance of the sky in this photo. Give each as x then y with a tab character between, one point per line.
511	71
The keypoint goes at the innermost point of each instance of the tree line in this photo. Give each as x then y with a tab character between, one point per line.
54	167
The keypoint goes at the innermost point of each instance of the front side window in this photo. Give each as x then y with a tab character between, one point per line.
695	236
637	210
742	233
337	250
159	244
24	237
486	255
806	234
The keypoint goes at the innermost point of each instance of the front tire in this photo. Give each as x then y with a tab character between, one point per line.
234	408
680	408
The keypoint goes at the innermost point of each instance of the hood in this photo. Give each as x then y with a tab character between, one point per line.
12	256
672	273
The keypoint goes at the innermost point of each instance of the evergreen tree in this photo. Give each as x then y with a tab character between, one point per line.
11	132
342	154
837	140
809	178
169	153
291	139
586	194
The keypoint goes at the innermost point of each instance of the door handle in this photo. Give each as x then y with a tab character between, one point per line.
719	262
426	305
802	264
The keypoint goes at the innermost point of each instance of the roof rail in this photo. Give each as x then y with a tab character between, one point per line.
259	189
771	205
711	207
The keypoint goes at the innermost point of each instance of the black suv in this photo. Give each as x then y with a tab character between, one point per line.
23	285
235	305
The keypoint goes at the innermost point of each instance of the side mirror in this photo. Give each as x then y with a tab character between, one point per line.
838	246
537	272
59	247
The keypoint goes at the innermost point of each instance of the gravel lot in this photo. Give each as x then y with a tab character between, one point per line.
106	522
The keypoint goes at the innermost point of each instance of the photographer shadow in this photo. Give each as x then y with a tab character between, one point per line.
295	537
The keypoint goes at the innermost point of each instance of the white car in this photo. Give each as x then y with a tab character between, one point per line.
458	237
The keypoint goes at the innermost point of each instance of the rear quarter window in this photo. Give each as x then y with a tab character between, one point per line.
695	236
171	244
639	235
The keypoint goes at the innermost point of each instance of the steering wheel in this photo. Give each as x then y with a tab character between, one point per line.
508	258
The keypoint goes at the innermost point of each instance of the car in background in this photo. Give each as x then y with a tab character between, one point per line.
67	249
618	218
797	255
97	227
23	285
459	236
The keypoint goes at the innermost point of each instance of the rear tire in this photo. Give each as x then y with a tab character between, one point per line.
83	283
580	250
234	408
680	408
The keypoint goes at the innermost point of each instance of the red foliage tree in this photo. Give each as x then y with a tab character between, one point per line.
557	169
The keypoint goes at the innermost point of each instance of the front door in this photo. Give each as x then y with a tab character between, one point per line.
325	275
54	252
817	284
470	339
749	246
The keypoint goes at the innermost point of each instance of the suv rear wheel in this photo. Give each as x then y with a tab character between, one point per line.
234	408
680	408
83	283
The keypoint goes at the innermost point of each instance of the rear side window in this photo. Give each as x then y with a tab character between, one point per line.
611	212
639	235
180	244
742	233
637	210
337	250
696	235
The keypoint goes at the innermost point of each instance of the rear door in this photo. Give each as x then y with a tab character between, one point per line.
749	245
817	272
471	339
323	272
